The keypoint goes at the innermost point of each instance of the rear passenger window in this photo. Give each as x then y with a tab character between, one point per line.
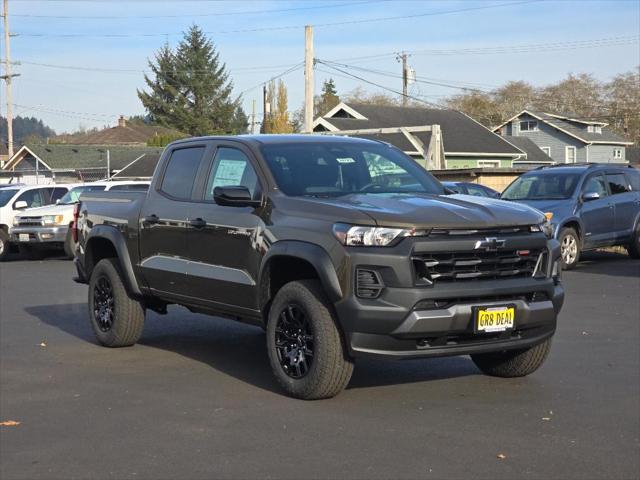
231	168
633	178
617	183
180	174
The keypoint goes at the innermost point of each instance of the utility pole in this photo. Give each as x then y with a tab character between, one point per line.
308	78
253	116
402	57
7	78
264	109
108	165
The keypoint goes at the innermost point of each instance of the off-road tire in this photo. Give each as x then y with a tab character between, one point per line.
5	245
513	363
69	245
128	313
331	368
566	234
634	247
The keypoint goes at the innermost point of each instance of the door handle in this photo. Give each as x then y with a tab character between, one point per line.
198	223
151	219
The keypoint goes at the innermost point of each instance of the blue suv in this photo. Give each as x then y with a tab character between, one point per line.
589	205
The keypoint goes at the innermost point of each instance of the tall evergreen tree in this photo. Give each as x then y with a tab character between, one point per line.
328	98
190	89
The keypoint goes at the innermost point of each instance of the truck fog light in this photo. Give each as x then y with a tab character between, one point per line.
47	236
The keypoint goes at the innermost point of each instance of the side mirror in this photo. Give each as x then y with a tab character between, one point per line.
589	196
234	196
20	205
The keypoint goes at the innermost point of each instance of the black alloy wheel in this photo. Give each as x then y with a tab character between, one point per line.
103	304
294	341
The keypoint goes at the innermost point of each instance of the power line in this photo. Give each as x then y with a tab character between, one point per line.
284	27
193	15
275	77
433	105
522	48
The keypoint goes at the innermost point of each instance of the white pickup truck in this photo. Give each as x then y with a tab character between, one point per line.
37	228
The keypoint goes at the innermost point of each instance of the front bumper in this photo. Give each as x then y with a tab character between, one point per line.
412	321
37	234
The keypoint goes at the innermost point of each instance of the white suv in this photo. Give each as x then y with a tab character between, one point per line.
14	199
49	226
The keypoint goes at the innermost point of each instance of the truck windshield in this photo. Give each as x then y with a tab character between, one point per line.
6	194
73	195
334	169
542	186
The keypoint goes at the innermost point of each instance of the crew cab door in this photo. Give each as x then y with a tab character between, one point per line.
224	242
625	203
598	216
164	219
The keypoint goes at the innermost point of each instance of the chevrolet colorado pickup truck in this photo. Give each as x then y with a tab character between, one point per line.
338	247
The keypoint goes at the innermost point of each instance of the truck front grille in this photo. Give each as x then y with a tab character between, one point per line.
29	221
432	268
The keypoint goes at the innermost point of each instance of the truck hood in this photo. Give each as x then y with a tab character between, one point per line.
439	211
46	210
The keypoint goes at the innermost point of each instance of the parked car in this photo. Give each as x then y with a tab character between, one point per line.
468	188
48	226
338	247
14	199
589	205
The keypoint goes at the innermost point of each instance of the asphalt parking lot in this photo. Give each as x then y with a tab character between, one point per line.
196	399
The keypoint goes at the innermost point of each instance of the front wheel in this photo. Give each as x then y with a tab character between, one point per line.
634	246
116	318
569	248
306	350
513	363
5	246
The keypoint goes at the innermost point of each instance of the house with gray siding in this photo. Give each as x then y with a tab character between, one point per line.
565	138
462	141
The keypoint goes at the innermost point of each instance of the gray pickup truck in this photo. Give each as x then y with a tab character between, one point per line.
338	247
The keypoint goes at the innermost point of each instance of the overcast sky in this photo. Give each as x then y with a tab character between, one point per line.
536	41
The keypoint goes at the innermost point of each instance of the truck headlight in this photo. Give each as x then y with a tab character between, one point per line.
52	219
360	236
545	227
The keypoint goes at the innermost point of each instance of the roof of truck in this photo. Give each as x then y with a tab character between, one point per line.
278	139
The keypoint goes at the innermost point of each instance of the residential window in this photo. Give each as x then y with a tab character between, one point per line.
546	150
180	175
617	153
529	126
598	129
489	163
570	155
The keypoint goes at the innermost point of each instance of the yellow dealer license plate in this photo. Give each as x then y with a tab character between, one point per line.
494	319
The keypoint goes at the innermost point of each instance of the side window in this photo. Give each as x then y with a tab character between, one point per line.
633	178
230	168
477	190
617	183
595	184
180	174
32	197
130	187
58	193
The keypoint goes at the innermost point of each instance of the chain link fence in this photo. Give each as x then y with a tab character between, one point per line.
45	177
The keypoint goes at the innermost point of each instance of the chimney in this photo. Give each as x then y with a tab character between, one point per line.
122	122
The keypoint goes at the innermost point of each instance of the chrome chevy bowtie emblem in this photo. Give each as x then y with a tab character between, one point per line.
490	244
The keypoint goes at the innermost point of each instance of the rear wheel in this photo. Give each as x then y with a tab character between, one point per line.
634	246
513	363
116	318
305	347
569	248
4	245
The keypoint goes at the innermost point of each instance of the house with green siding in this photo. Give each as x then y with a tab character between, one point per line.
464	143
